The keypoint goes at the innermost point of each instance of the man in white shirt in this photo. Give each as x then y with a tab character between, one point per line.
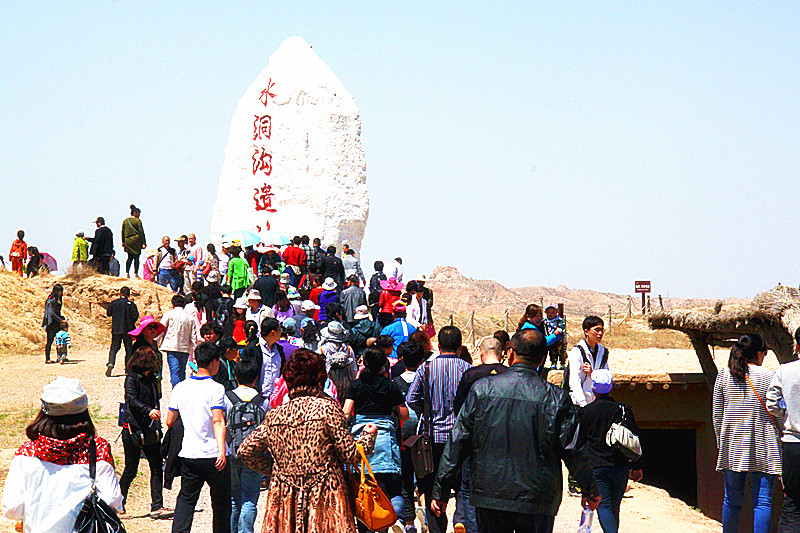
396	269
256	311
200	403
586	356
224	259
179	340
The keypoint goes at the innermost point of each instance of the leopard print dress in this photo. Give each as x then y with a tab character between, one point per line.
310	443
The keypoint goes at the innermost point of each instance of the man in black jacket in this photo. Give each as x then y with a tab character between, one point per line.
124	314
331	266
516	428
102	246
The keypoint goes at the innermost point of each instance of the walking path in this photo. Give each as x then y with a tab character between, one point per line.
644	509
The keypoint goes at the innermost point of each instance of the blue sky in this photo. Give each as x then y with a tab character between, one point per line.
587	144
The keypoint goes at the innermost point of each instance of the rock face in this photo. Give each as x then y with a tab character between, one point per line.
294	161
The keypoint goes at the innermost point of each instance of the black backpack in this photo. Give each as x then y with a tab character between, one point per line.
242	419
585	358
223	315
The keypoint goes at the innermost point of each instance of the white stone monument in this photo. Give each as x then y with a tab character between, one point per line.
294	162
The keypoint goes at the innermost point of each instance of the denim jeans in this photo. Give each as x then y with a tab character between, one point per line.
169	277
392	487
734	495
177	366
469	517
611	482
245	488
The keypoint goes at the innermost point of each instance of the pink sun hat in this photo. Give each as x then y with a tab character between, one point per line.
146	321
391	284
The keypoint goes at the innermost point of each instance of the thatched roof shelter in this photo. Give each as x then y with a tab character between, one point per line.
774	315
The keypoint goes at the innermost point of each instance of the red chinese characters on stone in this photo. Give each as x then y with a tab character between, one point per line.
263	199
267	93
262	127
262	161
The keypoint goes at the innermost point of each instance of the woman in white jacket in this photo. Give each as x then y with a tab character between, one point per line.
48	478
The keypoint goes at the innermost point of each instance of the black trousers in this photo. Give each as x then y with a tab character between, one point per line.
436	524
195	472
790	513
492	521
132	259
51	331
132	455
407	471
101	263
117	340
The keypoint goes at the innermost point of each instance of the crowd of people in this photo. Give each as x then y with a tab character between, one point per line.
282	361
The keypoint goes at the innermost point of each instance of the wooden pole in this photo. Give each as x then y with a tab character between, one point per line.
661	302
506	320
700	345
608	326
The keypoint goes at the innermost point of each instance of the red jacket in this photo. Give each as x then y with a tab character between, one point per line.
294	255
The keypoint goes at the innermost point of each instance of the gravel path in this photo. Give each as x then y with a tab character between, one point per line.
645	509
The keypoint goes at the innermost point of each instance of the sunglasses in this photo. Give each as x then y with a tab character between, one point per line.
151	326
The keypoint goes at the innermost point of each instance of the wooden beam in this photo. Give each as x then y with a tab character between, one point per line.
700	345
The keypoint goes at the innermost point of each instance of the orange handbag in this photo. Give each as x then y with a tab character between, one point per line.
372	507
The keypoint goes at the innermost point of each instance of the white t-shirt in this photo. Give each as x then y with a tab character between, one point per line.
194	399
166	259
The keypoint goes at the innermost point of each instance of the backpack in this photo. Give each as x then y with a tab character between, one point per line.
223	315
585	358
337	354
242	419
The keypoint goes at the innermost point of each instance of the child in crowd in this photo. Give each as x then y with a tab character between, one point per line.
553	323
63	343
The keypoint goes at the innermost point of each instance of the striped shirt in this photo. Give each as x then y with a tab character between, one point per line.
445	374
746	437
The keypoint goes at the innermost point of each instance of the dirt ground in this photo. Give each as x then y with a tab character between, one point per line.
644	509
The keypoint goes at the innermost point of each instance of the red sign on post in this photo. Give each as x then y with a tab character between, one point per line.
642	287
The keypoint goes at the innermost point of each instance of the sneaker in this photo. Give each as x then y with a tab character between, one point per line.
109	368
574	491
162	513
459	528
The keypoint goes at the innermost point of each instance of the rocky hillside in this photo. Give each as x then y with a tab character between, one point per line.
85	303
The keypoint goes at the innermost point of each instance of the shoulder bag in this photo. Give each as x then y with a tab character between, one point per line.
96	516
623	439
421	445
372	507
762	403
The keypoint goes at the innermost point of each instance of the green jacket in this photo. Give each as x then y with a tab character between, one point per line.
80	250
237	273
133	235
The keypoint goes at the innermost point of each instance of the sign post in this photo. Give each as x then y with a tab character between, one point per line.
643	288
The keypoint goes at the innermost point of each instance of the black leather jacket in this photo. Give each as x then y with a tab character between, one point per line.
516	428
141	397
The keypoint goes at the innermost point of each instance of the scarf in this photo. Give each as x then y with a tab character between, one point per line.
74	451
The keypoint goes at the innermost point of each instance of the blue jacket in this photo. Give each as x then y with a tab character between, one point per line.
399	330
551	339
386	457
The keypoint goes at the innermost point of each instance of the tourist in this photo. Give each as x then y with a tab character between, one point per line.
362	329
556	325
351	297
373	398
210	271
145	335
211	332
196	256
312	258
133	241
340	360
315	292
224	259
502	336
427	295
165	260
289	334
421	338
611	469
149	272
267	354
63	343
18	254
283	308
317	245
396	270
80	251
52	318
389	295
331	267
256	310
373	299
182	335
34	263
747	435
124	314
352	266
309	463
399	329
184	264
442	376
783	402
534	319
418	309
102	246
237	276
309	335
586	356
195	305
295	259
113	265
200	404
228	356
243	401
239	317
141	430
525	427
328	296
267	286
48	477
412	354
